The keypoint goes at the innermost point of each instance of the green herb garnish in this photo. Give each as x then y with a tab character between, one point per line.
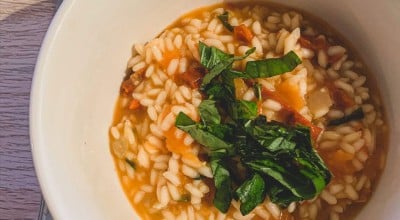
257	89
224	19
222	181
355	115
184	198
204	135
251	193
131	163
216	61
278	160
273	66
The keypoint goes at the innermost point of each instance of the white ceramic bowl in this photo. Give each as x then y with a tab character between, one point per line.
81	65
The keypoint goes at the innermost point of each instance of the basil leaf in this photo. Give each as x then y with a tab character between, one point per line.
286	155
211	56
215	71
220	91
308	158
280	195
222	181
245	110
184	198
308	170
257	91
222	131
298	184
184	122
251	193
273	136
224	19
202	136
209	113
355	115
214	60
217	61
131	163
273	66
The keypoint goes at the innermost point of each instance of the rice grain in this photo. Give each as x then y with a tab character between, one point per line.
256	27
143	158
350	138
173	66
193	190
115	133
346	87
160	166
322	58
330	135
351	192
153	177
330	199
173	191
205	171
146	102
173	178
291	207
335	188
138	197
173	165
190	212
152	113
328	145
273	209
335	50
362	156
272	105
178	41
347	147
359	81
357	164
168	121
189	172
182	65
164	196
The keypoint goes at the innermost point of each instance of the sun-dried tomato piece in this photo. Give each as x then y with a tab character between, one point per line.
243	33
193	76
127	87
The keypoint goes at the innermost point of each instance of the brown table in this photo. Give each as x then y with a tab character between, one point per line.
23	24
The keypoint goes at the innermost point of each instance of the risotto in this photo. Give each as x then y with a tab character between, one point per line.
248	111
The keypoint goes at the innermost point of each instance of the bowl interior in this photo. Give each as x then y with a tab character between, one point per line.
83	60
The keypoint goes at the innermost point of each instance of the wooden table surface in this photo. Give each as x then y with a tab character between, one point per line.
23	24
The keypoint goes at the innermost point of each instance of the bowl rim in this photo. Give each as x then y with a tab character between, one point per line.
35	107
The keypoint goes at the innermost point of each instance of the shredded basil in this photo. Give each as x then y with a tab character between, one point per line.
184	198
273	66
224	19
222	181
216	61
257	89
251	193
131	163
204	135
252	158
355	115
208	112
